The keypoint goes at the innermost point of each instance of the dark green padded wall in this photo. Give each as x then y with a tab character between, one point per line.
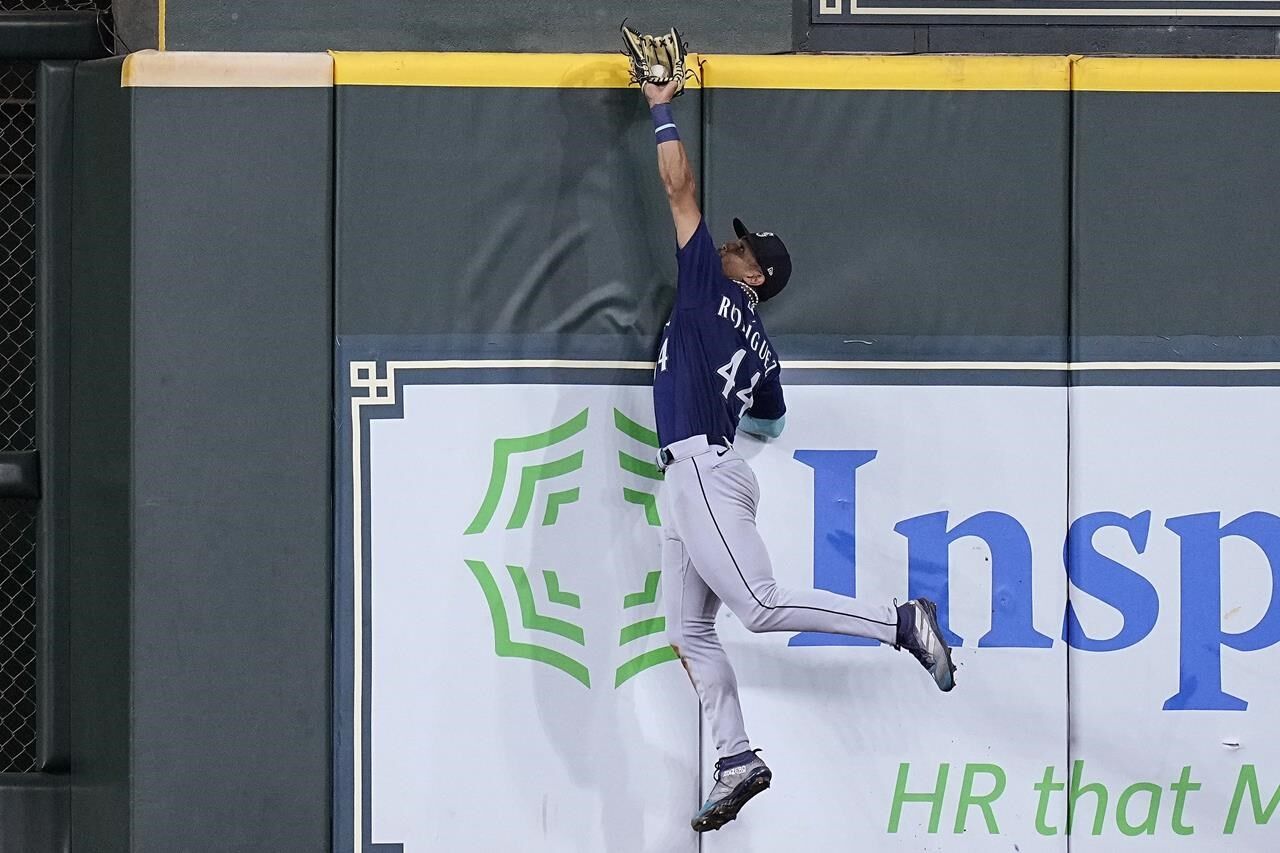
473	211
101	450
925	224
934	223
232	340
201	528
1176	225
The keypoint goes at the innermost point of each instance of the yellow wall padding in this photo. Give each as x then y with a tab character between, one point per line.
930	72
1166	74
494	70
945	72
153	68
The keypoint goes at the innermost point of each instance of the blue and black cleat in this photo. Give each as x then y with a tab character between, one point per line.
738	779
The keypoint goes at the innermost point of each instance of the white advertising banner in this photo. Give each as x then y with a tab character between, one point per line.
522	691
1175	619
511	687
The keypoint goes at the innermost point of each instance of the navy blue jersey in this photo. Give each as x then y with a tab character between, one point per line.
715	362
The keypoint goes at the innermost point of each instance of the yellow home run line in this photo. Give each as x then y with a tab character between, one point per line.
607	70
934	72
211	70
494	70
1165	74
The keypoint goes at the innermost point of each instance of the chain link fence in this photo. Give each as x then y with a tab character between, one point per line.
18	325
49	5
17	414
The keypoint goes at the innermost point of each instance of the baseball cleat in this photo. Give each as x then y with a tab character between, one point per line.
918	633
738	779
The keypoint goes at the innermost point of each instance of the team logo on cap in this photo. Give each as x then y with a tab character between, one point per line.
765	234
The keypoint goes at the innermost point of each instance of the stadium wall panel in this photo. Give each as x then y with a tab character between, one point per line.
201	508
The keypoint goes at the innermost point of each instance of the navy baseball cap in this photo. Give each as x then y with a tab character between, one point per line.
771	254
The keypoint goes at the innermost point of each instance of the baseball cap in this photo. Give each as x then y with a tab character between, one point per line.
771	254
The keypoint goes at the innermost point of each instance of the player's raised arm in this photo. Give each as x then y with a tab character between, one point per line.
673	163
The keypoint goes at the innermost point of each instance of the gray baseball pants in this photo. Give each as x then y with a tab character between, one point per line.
712	553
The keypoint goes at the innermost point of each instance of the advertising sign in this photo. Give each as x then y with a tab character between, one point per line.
1104	559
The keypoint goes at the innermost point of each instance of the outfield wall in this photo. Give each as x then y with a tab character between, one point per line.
1032	360
199	553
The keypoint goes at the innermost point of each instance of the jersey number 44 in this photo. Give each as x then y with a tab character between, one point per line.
729	371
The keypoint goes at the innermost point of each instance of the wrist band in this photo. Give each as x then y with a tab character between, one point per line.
664	124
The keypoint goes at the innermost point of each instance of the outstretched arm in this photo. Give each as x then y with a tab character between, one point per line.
673	163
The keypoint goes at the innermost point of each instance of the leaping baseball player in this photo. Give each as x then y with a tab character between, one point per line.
717	373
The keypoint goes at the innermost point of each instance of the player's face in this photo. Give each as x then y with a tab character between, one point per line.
739	263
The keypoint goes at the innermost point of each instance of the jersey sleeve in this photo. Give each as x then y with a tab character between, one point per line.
761	428
767	403
699	267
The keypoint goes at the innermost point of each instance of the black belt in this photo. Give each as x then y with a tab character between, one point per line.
666	457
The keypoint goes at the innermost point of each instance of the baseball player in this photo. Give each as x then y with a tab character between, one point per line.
717	373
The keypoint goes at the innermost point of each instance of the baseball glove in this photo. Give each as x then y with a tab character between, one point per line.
656	59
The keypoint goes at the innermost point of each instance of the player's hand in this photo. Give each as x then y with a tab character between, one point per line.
655	94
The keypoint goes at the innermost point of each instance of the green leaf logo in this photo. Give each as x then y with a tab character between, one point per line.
641	629
531	619
530	475
639	467
562	616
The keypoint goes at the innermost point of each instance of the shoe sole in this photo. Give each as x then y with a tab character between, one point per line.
931	611
728	808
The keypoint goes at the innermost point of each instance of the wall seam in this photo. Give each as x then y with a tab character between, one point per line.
132	479
336	463
1071	379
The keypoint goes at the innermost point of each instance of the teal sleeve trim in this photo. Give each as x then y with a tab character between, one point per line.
762	427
